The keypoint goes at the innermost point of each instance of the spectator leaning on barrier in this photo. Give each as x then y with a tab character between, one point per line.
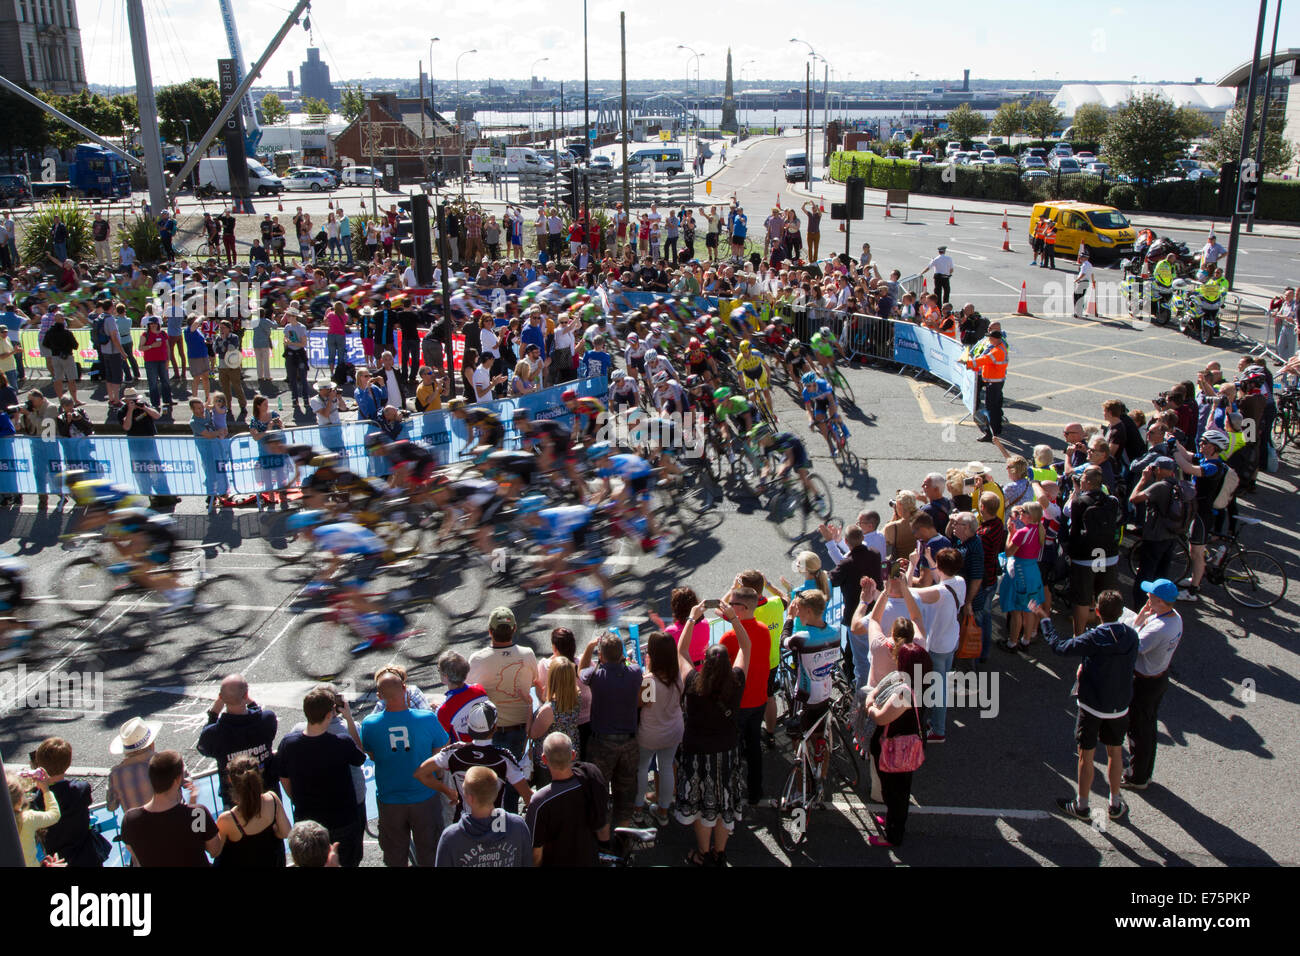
128	782
244	729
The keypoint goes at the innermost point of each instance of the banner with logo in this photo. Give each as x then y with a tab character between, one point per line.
87	353
937	354
181	465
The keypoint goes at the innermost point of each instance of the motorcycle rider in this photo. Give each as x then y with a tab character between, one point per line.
1207	298
1163	276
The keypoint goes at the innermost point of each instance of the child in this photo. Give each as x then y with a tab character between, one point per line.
907	311
29	821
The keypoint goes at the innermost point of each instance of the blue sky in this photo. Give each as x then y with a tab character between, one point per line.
1156	41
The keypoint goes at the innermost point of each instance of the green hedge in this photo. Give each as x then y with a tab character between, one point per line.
1279	199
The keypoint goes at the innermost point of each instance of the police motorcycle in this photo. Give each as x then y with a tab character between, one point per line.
1197	315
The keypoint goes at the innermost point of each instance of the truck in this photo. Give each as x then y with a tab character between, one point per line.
95	173
516	159
214	177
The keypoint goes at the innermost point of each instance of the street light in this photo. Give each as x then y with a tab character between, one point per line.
695	56
808	159
742	81
432	41
460	128
531	74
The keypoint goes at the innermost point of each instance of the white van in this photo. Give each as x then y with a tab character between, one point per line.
214	176
658	160
796	165
525	159
480	158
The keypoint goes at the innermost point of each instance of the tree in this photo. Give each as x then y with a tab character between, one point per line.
24	125
96	113
198	100
1090	122
1008	120
916	140
127	109
315	107
352	102
1225	142
1193	123
1144	138
273	110
1042	118
965	123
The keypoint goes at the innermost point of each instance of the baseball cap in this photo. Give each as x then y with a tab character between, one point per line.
1165	462
1162	588
500	616
481	718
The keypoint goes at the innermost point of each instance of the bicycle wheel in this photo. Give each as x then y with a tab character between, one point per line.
1180	562
1281	428
844	761
777	373
287	546
697	491
788	511
320	647
460	587
1254	579
83	580
792	829
821	491
427	638
221	602
844	391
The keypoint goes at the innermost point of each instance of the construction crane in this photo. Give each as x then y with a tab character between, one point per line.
252	129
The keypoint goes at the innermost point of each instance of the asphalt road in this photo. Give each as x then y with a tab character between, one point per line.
985	796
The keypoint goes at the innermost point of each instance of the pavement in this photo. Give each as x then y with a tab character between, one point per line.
986	796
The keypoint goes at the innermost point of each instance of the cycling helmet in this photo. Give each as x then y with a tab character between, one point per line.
474	413
531	504
455	404
760	432
1215	437
722	394
568	395
302	520
375	442
825	330
327	460
744	345
599	450
132	520
808	378
693	382
617	375
633	337
660	379
795	342
695	343
651	355
712	333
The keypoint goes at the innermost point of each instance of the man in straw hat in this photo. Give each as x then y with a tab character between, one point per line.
128	782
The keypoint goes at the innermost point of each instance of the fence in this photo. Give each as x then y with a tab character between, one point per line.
218	466
645	189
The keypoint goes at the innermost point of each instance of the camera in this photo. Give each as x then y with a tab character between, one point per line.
1161	400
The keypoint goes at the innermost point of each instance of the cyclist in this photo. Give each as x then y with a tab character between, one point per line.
796	357
549	439
488	430
464	502
823	410
637	476
571	544
413	465
734	411
634	355
816	649
13	585
699	362
588	414
623	390
824	348
655	362
146	541
100	497
794	455
669	397
753	371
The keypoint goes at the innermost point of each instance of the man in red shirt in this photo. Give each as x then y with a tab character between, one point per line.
454	712
577	236
737	609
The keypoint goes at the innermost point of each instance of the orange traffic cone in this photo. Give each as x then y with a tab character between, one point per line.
1022	307
888	215
778	200
1004	219
925	286
952	215
1092	309
823	203
281	205
1006	238
330	204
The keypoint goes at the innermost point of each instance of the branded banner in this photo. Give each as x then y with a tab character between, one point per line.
318	349
86	352
937	354
180	465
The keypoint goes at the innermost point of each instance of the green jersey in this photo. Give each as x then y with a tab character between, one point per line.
735	405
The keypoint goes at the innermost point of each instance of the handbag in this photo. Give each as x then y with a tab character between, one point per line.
971	642
905	753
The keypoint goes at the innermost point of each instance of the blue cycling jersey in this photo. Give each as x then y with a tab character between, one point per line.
817	655
818	391
626	466
347	537
558	524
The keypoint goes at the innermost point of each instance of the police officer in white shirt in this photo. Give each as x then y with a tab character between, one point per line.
942	266
1159	630
1082	281
1211	253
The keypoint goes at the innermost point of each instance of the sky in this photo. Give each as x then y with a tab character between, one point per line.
861	40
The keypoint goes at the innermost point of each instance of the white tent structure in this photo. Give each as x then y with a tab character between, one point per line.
1214	101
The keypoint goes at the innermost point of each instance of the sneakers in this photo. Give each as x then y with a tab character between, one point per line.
985	438
1070	807
661	817
1189	594
879	841
1117	812
933	738
641	818
1130	784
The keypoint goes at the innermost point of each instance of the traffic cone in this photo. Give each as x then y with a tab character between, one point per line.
925	286
1006	238
888	215
1092	309
778	200
330	204
1004	219
1022	307
952	215
823	203
281	205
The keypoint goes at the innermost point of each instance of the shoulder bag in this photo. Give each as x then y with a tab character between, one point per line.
904	753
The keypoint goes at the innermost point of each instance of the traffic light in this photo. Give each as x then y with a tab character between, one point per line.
854	193
1248	188
571	189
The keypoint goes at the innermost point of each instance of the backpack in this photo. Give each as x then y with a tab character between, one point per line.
101	330
1101	525
1182	506
1227	488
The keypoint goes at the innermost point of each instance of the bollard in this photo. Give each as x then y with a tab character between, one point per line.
1022	308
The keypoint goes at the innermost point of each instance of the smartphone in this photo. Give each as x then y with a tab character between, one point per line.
712	604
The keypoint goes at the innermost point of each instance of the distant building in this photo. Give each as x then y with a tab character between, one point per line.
402	131
40	45
314	79
1213	101
1286	77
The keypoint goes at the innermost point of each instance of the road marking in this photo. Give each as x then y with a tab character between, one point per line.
275	693
857	804
1009	285
262	653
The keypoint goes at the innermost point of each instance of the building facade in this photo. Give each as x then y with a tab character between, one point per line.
403	132
314	79
1283	94
40	45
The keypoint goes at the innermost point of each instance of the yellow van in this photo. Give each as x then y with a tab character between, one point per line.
1103	229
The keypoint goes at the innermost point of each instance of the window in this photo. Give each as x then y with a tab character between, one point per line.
32	73
76	61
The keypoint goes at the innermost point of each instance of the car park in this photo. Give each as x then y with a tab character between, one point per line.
1085	158
1038	173
1066	165
1005	161
1097	169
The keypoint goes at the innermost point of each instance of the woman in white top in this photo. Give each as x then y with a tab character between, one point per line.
332	236
941	606
661	727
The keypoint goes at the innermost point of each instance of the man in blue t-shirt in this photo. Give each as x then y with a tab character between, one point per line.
398	740
1207	471
596	362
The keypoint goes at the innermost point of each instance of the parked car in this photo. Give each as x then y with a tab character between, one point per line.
1005	161
1062	149
953	147
996	141
1085	158
1097	169
1037	152
14	190
1184	166
988	156
602	166
361	176
1202	173
925	159
1034	162
913	154
316	181
1066	165
1038	173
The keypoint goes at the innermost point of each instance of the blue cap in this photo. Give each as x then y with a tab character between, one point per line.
1162	588
1166	463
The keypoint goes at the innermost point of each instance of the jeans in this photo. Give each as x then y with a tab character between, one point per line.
617	756
1147	693
335	349
938	714
128	358
349	838
980	608
860	648
333	247
513	741
663	759
60	251
295	364
13	379
346	242
751	741
160	386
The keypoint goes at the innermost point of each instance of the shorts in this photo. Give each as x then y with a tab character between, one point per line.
199	365
1086	584
362	570
755	377
710	240
821	411
63	369
112	367
1198	533
639	486
638	363
811	714
1089	728
801	462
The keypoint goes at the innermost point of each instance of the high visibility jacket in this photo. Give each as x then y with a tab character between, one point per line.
1210	290
948	326
1049	234
991	364
1040	228
1165	273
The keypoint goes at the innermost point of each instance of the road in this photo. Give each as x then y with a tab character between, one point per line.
985	796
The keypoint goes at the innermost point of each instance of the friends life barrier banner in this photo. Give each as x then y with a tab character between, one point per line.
938	354
181	465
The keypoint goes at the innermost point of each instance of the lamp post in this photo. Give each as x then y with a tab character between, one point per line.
432	41
812	55
696	57
187	138
531	75
460	129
